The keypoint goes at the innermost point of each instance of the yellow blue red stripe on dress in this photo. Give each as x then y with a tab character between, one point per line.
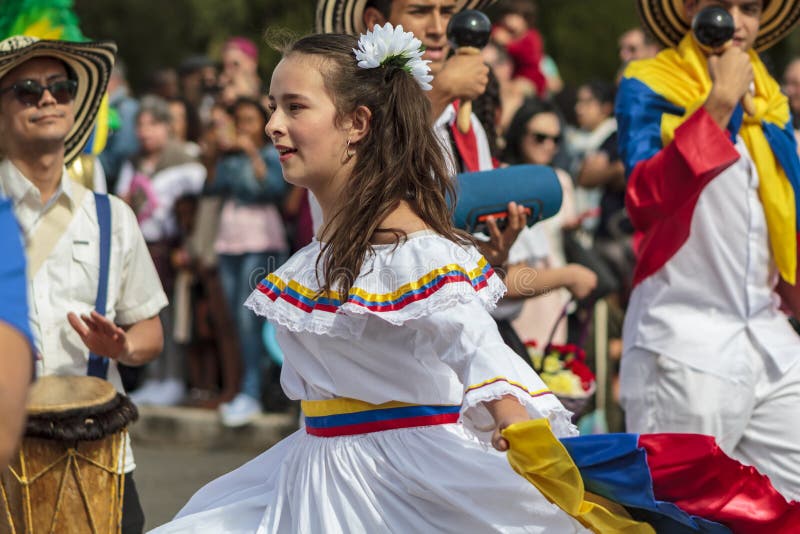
309	300
347	417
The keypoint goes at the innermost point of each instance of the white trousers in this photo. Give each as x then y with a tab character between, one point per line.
755	419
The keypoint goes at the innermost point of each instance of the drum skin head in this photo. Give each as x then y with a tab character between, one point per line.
62	393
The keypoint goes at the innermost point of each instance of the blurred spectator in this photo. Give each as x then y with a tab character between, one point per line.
198	84
601	166
151	181
535	136
164	83
513	91
122	142
589	162
602	176
636	44
515	29
185	125
791	87
251	241
239	76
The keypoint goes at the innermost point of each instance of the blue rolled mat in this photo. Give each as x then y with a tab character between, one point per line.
485	193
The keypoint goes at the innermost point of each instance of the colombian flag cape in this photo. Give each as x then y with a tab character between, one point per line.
659	95
648	483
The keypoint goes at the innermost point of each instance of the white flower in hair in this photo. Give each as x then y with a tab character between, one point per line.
386	46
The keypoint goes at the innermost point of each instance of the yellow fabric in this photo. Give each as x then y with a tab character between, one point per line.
680	75
338	406
101	127
536	454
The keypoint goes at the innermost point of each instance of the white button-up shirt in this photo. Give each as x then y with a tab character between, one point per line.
67	280
715	297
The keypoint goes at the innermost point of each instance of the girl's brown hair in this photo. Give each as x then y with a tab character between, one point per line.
399	159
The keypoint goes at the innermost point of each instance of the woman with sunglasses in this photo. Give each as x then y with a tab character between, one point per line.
534	136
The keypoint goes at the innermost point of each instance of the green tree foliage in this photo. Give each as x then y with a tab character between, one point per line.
581	35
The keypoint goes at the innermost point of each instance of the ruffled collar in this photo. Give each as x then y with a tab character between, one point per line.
423	274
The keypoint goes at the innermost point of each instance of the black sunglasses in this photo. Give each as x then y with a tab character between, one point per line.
540	138
29	92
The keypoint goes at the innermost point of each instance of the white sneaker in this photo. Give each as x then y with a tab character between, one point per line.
143	393
241	410
168	393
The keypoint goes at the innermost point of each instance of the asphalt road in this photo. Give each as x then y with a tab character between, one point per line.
167	476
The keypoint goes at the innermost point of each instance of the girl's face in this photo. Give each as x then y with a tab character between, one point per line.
153	135
249	122
542	138
303	125
589	111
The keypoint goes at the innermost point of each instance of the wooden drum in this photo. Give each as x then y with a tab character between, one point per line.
67	475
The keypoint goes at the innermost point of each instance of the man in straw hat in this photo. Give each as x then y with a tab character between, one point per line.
49	95
712	192
455	78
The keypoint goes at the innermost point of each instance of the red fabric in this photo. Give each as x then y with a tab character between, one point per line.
662	191
379	426
466	144
692	472
527	53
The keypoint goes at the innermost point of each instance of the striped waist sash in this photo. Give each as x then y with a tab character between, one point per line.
346	417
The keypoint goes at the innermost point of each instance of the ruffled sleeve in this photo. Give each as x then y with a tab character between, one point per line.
397	284
467	340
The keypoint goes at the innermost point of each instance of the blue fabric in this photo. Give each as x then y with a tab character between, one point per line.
235	178
370	416
98	365
638	110
615	467
784	145
13	282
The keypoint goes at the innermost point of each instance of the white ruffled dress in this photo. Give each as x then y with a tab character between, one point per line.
415	329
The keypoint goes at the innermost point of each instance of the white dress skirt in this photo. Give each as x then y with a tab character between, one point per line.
416	330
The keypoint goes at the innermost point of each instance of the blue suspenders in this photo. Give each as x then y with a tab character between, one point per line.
98	365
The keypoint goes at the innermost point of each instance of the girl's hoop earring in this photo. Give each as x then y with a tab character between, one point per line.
348	151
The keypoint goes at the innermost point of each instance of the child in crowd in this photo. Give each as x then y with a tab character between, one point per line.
383	319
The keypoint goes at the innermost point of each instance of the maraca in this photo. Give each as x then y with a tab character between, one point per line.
468	32
713	28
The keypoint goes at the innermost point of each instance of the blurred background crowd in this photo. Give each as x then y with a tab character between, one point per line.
188	152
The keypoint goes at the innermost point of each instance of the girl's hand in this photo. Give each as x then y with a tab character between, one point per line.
505	411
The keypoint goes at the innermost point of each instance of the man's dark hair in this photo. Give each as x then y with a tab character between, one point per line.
383	6
603	91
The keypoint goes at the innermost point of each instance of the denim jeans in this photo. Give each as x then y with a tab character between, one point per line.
240	274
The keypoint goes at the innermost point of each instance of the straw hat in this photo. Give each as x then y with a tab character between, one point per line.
666	20
91	63
347	16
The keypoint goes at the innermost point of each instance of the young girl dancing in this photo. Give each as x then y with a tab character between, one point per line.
404	380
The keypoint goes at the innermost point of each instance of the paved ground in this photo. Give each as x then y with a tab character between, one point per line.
167	476
178	450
